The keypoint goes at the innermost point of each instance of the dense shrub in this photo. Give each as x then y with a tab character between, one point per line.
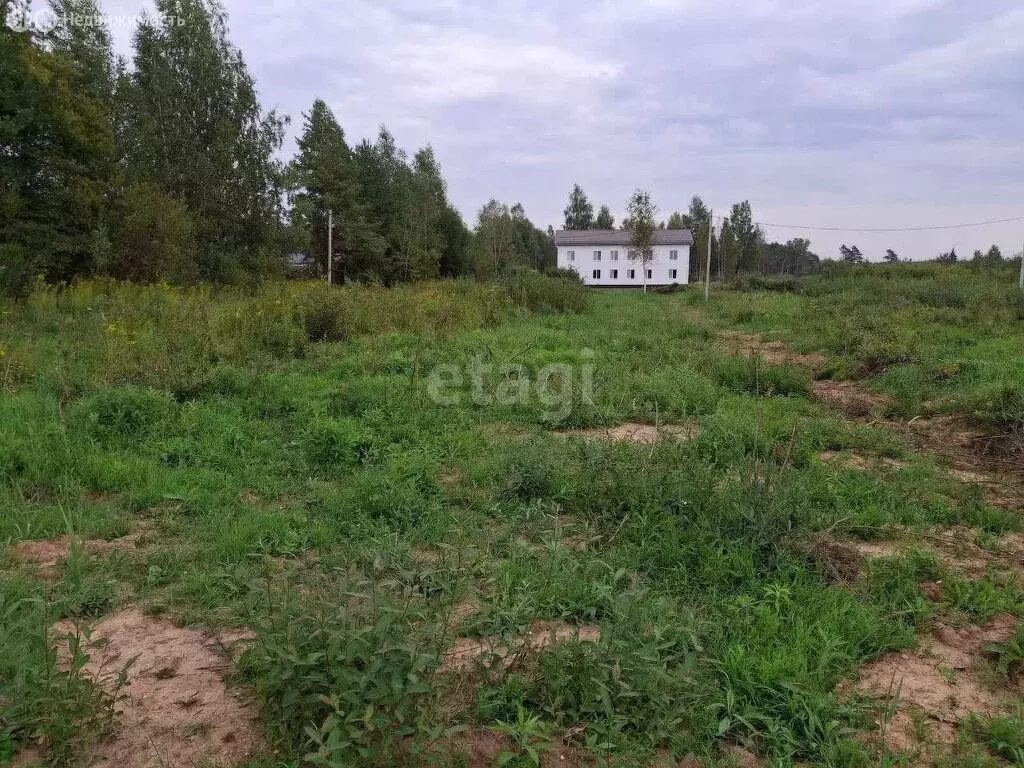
539	293
16	272
127	413
156	238
169	337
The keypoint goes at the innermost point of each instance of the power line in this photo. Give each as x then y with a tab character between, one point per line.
885	229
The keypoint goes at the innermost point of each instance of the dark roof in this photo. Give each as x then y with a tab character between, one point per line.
585	237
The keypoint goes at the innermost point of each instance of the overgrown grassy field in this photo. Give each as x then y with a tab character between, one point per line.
433	562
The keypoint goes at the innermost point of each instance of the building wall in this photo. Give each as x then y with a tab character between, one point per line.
660	267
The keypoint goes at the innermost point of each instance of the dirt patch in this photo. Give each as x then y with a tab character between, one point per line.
859	462
773	352
942	676
640	434
175	709
955	547
741	758
466	652
949	433
981	456
1003	491
843	561
958	551
48	554
451	477
481	749
425	556
849	398
978	456
922	738
504	431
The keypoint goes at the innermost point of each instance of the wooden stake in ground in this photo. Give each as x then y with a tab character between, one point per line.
330	243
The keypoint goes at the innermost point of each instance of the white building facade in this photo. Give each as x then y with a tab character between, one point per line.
601	256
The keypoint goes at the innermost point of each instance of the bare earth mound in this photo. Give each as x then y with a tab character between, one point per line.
941	677
640	434
857	461
176	709
773	352
483	748
955	547
48	554
992	461
847	397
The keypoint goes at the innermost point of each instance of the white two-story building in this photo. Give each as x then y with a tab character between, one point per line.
601	256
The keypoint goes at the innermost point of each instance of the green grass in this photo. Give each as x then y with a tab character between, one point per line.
938	339
285	452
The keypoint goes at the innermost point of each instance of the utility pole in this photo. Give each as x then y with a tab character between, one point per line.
707	268
330	243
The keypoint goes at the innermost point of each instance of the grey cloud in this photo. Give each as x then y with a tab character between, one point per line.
810	103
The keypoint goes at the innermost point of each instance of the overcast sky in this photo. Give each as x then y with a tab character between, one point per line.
855	114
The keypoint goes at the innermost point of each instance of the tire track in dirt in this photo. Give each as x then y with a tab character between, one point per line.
975	453
946	677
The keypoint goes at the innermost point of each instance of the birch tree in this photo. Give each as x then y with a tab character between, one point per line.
642	215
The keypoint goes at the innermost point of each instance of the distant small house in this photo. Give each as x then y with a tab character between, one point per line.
601	257
299	262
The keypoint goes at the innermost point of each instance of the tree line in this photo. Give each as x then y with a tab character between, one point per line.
993	257
738	244
167	167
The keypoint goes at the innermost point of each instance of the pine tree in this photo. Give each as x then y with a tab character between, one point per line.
455	255
324	177
698	220
677	220
851	254
579	213
747	236
728	263
891	257
604	220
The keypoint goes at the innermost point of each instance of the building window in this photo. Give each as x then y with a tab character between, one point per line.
672	273
631	274
648	274
597	274
614	256
614	274
673	255
597	255
571	255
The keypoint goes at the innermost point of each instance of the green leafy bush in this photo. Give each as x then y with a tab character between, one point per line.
337	443
125	413
42	701
341	687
